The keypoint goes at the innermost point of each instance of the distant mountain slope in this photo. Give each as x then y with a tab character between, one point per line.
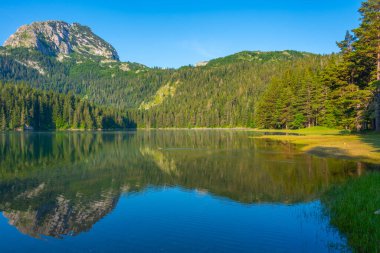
61	39
66	58
223	94
258	56
121	84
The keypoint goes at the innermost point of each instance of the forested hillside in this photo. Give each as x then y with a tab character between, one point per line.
22	107
284	89
222	93
122	85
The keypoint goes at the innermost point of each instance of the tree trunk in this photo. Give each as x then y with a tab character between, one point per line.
377	95
377	110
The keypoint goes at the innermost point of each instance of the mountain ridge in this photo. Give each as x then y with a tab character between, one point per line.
61	39
223	92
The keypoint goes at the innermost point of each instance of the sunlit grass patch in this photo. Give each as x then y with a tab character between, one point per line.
327	142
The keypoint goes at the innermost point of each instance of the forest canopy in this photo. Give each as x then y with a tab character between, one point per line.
22	107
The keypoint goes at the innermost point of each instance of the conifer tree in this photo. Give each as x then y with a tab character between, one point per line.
368	45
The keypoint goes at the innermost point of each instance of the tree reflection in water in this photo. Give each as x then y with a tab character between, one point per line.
58	184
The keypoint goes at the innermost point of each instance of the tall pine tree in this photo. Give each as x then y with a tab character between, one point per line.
368	45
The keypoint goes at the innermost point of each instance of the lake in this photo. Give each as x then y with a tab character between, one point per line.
164	191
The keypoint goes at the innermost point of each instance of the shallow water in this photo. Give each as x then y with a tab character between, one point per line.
164	191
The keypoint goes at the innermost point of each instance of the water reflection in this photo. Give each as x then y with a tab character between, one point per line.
58	184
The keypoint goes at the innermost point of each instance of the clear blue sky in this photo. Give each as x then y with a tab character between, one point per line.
170	33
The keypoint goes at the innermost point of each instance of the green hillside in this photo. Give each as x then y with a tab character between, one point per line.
258	56
223	93
279	89
123	85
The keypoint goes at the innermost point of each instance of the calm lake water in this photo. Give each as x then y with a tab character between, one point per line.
164	191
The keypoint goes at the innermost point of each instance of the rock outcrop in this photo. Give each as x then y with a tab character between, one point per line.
58	38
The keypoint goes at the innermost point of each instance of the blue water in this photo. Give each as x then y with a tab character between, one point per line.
164	191
176	220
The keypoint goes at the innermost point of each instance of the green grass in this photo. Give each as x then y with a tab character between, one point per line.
317	130
327	142
352	208
321	130
162	93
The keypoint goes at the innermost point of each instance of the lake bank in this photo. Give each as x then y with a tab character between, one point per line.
333	143
354	208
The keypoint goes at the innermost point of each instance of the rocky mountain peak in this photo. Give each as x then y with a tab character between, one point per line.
59	38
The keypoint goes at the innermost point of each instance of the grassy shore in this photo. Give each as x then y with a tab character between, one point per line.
352	208
333	143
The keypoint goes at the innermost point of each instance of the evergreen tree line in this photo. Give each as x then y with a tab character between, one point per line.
221	94
343	94
304	96
22	107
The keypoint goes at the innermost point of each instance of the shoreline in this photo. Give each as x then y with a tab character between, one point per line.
353	208
319	141
358	147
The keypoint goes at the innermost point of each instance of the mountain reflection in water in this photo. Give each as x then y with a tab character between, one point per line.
58	184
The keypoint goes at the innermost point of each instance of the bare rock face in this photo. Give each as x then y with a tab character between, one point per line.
59	38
